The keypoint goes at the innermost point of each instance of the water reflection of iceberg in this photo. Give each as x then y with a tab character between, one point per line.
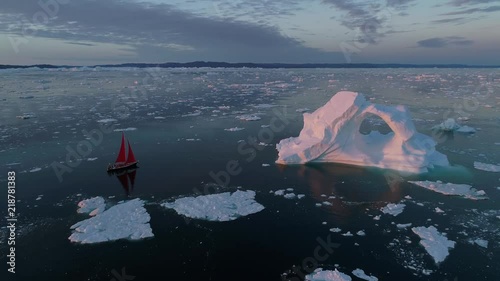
350	186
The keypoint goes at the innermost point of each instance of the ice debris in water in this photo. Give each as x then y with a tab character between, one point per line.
393	209
463	190
217	207
128	220
361	275
435	243
486	167
327	275
92	206
331	134
450	125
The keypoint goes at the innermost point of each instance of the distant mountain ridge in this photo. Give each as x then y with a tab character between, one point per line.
209	64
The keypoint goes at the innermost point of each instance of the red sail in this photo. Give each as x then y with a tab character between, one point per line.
121	155
131	157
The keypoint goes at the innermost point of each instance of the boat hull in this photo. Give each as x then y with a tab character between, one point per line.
122	167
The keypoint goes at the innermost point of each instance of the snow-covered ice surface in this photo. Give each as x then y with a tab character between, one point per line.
463	190
434	242
127	220
217	207
393	209
331	134
92	206
486	167
327	275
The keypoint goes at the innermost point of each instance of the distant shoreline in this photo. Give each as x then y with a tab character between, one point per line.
203	64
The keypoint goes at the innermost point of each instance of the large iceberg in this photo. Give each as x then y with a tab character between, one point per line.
331	134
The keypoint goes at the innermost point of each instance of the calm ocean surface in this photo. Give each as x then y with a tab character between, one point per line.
176	121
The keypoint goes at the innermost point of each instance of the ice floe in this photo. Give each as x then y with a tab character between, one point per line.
217	207
107	120
361	275
128	220
450	125
486	167
463	190
327	275
435	243
481	242
393	209
235	129
125	129
248	117
331	134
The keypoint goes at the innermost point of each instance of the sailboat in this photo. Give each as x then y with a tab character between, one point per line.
123	160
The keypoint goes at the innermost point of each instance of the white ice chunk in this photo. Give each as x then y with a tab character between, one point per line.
481	242
108	120
393	209
290	196
128	220
435	243
400	225
35	170
125	129
92	206
463	190
486	167
327	275
361	275
450	125
217	207
235	129
331	134
248	117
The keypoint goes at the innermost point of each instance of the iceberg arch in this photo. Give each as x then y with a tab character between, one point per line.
331	134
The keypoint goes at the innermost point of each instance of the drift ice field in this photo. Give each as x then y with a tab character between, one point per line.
254	174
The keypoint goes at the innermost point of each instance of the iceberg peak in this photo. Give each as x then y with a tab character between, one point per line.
331	134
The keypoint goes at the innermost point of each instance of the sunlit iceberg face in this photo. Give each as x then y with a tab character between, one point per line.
331	134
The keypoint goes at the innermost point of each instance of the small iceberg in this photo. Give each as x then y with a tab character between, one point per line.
327	275
217	207
107	120
393	209
463	190
248	117
435	243
128	220
331	134
486	167
450	125
361	275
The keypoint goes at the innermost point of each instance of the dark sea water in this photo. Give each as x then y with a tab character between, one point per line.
179	119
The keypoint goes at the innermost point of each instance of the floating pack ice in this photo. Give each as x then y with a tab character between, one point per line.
128	220
217	207
331	134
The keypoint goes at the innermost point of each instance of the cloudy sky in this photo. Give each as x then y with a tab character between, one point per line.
87	32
